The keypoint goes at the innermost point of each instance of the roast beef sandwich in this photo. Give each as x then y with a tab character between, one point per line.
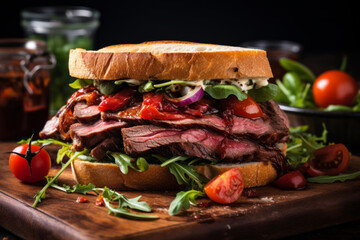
158	114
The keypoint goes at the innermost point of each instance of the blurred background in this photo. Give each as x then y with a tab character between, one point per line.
326	27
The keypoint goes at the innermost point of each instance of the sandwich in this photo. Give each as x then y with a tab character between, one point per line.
142	110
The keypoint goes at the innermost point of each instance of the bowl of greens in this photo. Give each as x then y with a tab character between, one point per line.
331	99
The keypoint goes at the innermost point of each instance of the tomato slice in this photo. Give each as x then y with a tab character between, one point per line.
330	160
225	188
292	180
246	108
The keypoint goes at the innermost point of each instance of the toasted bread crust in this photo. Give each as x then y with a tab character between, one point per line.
159	178
159	61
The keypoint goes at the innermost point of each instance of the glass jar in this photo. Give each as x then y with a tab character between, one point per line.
63	28
24	87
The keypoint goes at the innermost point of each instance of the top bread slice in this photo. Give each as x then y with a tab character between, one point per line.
169	60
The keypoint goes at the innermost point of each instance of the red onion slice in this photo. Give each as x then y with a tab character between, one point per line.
192	96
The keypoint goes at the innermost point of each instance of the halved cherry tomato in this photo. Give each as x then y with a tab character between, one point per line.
292	180
334	88
330	160
40	164
226	187
246	108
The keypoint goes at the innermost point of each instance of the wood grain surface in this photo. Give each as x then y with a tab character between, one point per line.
274	214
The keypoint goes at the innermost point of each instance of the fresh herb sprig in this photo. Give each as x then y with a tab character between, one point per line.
183	200
342	177
302	144
110	196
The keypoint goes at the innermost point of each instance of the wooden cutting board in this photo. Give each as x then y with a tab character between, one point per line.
275	213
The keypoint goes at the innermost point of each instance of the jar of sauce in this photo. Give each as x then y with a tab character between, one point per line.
24	87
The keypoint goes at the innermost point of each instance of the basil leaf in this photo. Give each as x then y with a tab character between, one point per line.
182	201
265	93
80	83
342	177
223	91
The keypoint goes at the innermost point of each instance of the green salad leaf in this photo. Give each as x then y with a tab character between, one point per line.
302	144
298	68
223	91
80	83
183	200
265	93
342	177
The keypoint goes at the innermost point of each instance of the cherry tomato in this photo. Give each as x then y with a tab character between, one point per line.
334	88
291	180
226	187
330	160
246	108
40	164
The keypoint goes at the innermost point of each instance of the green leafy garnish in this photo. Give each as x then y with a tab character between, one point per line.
300	69
293	92
124	161
265	93
183	200
223	91
342	177
80	83
41	194
302	144
109	196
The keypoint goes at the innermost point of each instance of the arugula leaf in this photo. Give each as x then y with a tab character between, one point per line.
265	93
186	174
80	83
124	161
342	177
223	91
302	144
133	203
78	188
41	194
183	200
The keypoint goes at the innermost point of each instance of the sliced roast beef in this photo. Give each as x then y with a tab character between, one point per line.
51	128
89	135
259	129
201	143
113	144
85	114
278	121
